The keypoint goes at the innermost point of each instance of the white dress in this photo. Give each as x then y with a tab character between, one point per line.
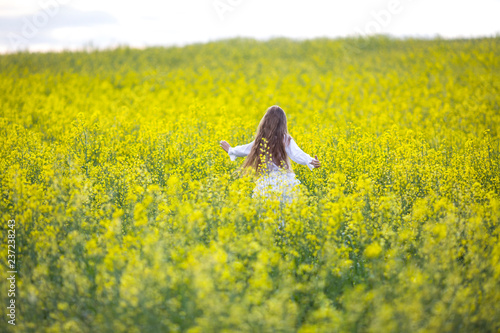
277	182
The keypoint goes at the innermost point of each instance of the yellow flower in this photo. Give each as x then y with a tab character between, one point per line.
373	251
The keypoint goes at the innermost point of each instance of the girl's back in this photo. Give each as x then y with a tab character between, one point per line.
267	154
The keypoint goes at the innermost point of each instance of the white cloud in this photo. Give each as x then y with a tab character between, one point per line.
177	22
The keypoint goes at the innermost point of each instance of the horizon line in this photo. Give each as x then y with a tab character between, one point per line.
89	47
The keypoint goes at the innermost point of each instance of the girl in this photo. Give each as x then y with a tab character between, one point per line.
270	157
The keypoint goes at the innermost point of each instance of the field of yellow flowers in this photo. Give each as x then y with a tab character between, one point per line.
129	217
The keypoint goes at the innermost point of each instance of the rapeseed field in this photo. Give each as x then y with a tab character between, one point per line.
129	217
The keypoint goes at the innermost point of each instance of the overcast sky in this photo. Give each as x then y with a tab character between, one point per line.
43	25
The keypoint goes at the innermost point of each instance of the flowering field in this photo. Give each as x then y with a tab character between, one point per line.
129	217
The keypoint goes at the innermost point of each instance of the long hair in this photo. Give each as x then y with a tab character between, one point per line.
269	145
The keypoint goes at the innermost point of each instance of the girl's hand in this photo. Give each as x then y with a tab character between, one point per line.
315	162
225	145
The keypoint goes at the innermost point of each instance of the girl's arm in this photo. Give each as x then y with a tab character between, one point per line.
238	151
298	156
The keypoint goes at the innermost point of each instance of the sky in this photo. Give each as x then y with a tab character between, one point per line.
53	25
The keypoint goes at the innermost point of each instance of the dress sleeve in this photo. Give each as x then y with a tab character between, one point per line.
297	155
240	151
